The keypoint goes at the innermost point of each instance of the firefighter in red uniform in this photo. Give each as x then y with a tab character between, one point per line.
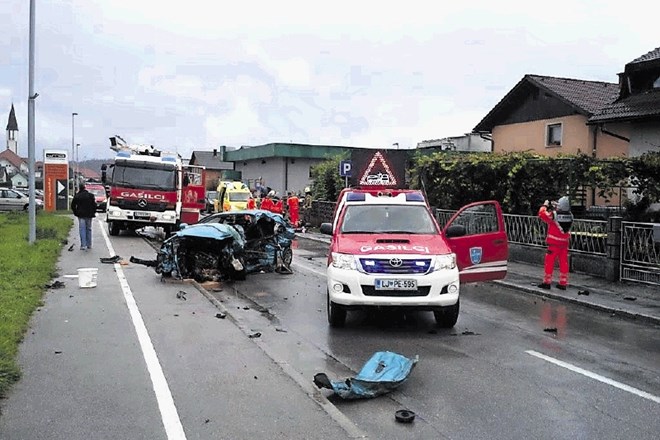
267	202
251	204
558	217
293	203
277	207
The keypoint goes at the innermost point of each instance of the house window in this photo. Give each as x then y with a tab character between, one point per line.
553	135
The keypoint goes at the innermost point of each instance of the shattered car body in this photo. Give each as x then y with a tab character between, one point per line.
226	246
267	238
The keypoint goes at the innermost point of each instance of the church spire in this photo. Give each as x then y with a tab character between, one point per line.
12	124
12	131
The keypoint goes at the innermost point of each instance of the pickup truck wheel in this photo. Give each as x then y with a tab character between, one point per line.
113	228
446	317
336	313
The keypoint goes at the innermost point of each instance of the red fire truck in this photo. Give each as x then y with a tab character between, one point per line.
148	187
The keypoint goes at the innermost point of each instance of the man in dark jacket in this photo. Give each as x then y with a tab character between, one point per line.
83	206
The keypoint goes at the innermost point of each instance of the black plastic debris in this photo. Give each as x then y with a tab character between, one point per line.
70	249
550	329
148	263
404	416
55	285
279	329
182	295
221	315
255	335
321	380
583	292
58	352
110	260
630	298
246	308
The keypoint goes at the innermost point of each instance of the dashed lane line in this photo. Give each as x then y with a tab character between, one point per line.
595	376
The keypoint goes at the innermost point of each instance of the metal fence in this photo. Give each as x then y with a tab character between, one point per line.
587	236
640	252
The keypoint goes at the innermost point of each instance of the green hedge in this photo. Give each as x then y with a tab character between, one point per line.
520	181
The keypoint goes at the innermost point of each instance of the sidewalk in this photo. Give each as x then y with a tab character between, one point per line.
631	300
112	361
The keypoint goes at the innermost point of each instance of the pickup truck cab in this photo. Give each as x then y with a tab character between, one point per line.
387	250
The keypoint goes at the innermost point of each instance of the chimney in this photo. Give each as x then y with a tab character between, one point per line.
215	152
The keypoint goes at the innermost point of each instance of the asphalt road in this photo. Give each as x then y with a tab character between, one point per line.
497	375
166	367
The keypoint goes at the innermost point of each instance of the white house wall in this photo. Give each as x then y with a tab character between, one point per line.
278	173
644	137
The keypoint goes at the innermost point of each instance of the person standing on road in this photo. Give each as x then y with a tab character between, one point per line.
83	206
558	217
293	204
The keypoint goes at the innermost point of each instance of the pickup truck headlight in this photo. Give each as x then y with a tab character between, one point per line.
447	261
343	261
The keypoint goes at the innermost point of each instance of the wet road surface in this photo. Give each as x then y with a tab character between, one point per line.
498	374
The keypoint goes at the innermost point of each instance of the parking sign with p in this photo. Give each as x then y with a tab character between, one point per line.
345	168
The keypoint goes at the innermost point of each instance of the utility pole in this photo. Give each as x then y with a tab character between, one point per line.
73	152
32	211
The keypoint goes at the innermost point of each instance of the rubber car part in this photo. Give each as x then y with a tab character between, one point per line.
404	416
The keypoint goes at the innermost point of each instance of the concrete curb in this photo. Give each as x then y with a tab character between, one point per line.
612	310
351	429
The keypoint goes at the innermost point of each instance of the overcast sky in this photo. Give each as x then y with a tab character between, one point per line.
193	75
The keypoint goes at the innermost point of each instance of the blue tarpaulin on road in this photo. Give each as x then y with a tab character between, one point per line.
382	373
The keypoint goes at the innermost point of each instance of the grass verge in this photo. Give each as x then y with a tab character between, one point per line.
26	269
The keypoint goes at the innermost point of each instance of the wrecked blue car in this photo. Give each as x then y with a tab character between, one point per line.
382	373
226	246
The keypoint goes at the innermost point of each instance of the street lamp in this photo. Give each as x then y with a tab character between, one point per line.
77	164
73	144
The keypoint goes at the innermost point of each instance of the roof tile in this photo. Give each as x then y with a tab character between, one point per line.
588	96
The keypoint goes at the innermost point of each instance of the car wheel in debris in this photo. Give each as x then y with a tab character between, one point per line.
446	317
287	256
336	313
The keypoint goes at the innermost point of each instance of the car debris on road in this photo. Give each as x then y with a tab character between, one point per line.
226	246
382	373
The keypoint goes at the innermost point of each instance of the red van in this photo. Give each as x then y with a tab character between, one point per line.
98	190
387	250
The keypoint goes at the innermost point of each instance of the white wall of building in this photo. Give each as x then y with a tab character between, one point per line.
644	137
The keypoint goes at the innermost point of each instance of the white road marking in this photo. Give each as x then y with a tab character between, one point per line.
595	376
168	412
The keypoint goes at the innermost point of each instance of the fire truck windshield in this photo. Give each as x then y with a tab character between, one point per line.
144	176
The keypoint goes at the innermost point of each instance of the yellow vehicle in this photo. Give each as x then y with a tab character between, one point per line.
232	196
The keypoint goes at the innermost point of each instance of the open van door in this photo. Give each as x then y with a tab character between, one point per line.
476	234
193	193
